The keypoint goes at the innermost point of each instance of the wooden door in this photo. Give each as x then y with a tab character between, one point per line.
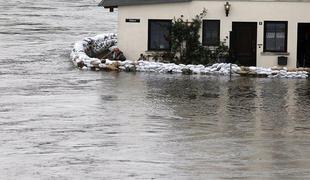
243	43
303	49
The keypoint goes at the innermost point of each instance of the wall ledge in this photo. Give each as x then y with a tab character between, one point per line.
275	53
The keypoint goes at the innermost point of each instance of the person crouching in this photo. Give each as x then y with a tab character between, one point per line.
118	55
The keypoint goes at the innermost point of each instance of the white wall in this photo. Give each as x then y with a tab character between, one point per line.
133	36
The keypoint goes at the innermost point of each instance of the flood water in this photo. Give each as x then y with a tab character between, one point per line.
57	122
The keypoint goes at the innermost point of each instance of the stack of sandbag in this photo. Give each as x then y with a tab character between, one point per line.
84	52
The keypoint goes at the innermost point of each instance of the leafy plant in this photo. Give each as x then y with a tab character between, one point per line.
221	53
186	47
185	38
156	56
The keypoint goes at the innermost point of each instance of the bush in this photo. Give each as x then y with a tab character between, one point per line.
186	47
185	38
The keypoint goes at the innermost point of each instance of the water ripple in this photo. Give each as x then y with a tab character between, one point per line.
57	122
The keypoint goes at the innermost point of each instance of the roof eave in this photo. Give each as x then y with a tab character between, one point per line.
108	4
109	7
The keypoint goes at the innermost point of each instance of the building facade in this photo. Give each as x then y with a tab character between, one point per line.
259	33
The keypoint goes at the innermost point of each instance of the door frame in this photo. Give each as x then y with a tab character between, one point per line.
299	25
255	55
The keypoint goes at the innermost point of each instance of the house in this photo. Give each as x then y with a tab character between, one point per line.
263	33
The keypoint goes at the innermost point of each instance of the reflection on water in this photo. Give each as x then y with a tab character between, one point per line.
57	122
248	128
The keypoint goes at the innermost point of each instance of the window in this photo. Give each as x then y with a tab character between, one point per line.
211	33
275	36
159	32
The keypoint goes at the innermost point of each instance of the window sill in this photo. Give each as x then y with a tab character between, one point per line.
211	47
275	53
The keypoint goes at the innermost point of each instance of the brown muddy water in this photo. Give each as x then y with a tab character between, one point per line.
57	122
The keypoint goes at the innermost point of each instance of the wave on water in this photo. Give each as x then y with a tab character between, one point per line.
36	8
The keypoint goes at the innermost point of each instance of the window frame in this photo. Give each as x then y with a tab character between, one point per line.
204	38
149	34
285	40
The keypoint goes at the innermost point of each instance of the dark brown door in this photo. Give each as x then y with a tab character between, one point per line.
303	49
243	42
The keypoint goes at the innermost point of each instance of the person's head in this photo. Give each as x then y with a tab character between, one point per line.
141	55
116	50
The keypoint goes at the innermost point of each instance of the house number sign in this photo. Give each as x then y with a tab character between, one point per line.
133	20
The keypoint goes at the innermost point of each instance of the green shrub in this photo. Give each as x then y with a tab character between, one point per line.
186	47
